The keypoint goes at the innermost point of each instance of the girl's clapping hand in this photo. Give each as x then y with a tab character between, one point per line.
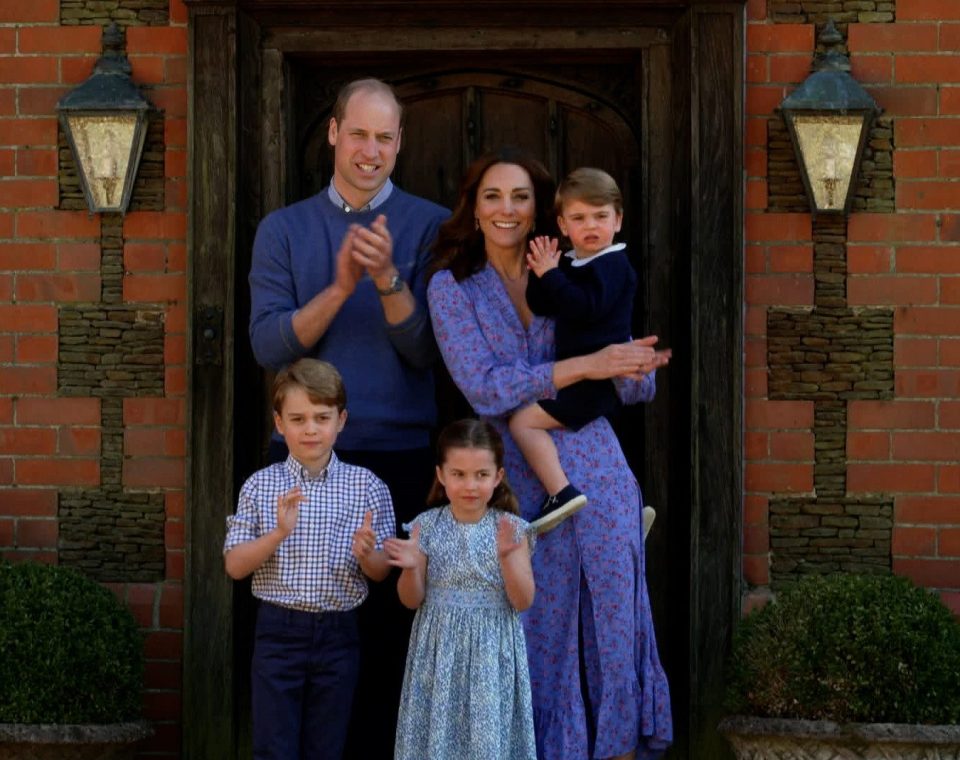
507	542
404	552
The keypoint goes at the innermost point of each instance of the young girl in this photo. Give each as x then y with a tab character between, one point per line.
466	570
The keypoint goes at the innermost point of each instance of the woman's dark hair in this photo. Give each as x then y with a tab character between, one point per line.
473	434
459	244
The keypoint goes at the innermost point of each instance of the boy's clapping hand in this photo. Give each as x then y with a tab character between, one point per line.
364	539
288	509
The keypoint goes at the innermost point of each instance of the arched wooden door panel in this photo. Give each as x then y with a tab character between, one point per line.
451	118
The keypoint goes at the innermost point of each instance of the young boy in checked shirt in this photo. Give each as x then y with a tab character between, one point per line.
311	530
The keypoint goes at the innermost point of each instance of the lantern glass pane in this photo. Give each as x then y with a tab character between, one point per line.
104	144
829	144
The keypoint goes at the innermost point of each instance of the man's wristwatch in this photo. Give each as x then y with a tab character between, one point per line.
395	286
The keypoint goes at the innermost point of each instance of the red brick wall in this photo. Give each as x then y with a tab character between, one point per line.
907	447
50	443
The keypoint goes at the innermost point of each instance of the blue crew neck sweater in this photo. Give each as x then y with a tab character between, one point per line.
387	369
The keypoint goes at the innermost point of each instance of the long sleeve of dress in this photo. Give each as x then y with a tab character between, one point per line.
483	347
486	349
633	391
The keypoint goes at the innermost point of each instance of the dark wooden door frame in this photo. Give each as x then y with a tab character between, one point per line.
694	218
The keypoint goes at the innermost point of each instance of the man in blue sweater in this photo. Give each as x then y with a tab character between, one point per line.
341	276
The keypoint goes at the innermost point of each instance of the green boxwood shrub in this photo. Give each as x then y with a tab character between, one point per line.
70	652
847	648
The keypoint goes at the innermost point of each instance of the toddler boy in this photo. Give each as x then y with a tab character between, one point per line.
311	530
589	293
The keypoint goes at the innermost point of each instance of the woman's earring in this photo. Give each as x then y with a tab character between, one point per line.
476	223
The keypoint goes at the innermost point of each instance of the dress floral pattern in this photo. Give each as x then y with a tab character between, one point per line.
466	690
591	567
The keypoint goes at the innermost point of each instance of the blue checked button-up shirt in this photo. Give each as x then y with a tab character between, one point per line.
313	568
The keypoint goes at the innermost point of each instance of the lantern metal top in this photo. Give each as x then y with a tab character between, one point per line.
109	87
830	87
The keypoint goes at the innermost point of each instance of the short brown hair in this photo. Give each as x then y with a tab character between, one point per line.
363	85
592	186
320	380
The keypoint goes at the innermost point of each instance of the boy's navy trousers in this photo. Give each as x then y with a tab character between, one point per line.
304	674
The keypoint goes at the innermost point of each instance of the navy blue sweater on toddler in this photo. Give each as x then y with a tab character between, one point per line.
591	301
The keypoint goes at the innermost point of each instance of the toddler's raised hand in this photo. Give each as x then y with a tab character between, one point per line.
364	539
404	552
543	255
288	509
507	542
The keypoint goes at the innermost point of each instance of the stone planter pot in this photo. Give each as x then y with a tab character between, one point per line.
782	739
108	741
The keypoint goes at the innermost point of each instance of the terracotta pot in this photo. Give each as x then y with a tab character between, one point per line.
108	741
782	739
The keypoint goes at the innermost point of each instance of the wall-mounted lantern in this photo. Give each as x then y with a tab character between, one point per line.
105	121
829	118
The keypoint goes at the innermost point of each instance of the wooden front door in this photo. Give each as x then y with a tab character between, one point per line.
451	118
648	91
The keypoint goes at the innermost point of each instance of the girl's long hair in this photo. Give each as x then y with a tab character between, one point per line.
473	434
459	244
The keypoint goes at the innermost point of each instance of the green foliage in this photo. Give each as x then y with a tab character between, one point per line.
70	652
847	648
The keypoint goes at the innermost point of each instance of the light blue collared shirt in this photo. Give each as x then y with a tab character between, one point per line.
375	201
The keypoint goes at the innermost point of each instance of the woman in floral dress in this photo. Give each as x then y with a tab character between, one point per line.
591	613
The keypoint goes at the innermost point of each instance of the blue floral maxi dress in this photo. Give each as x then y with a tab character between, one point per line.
589	571
466	689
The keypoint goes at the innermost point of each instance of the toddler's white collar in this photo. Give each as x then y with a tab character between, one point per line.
575	262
